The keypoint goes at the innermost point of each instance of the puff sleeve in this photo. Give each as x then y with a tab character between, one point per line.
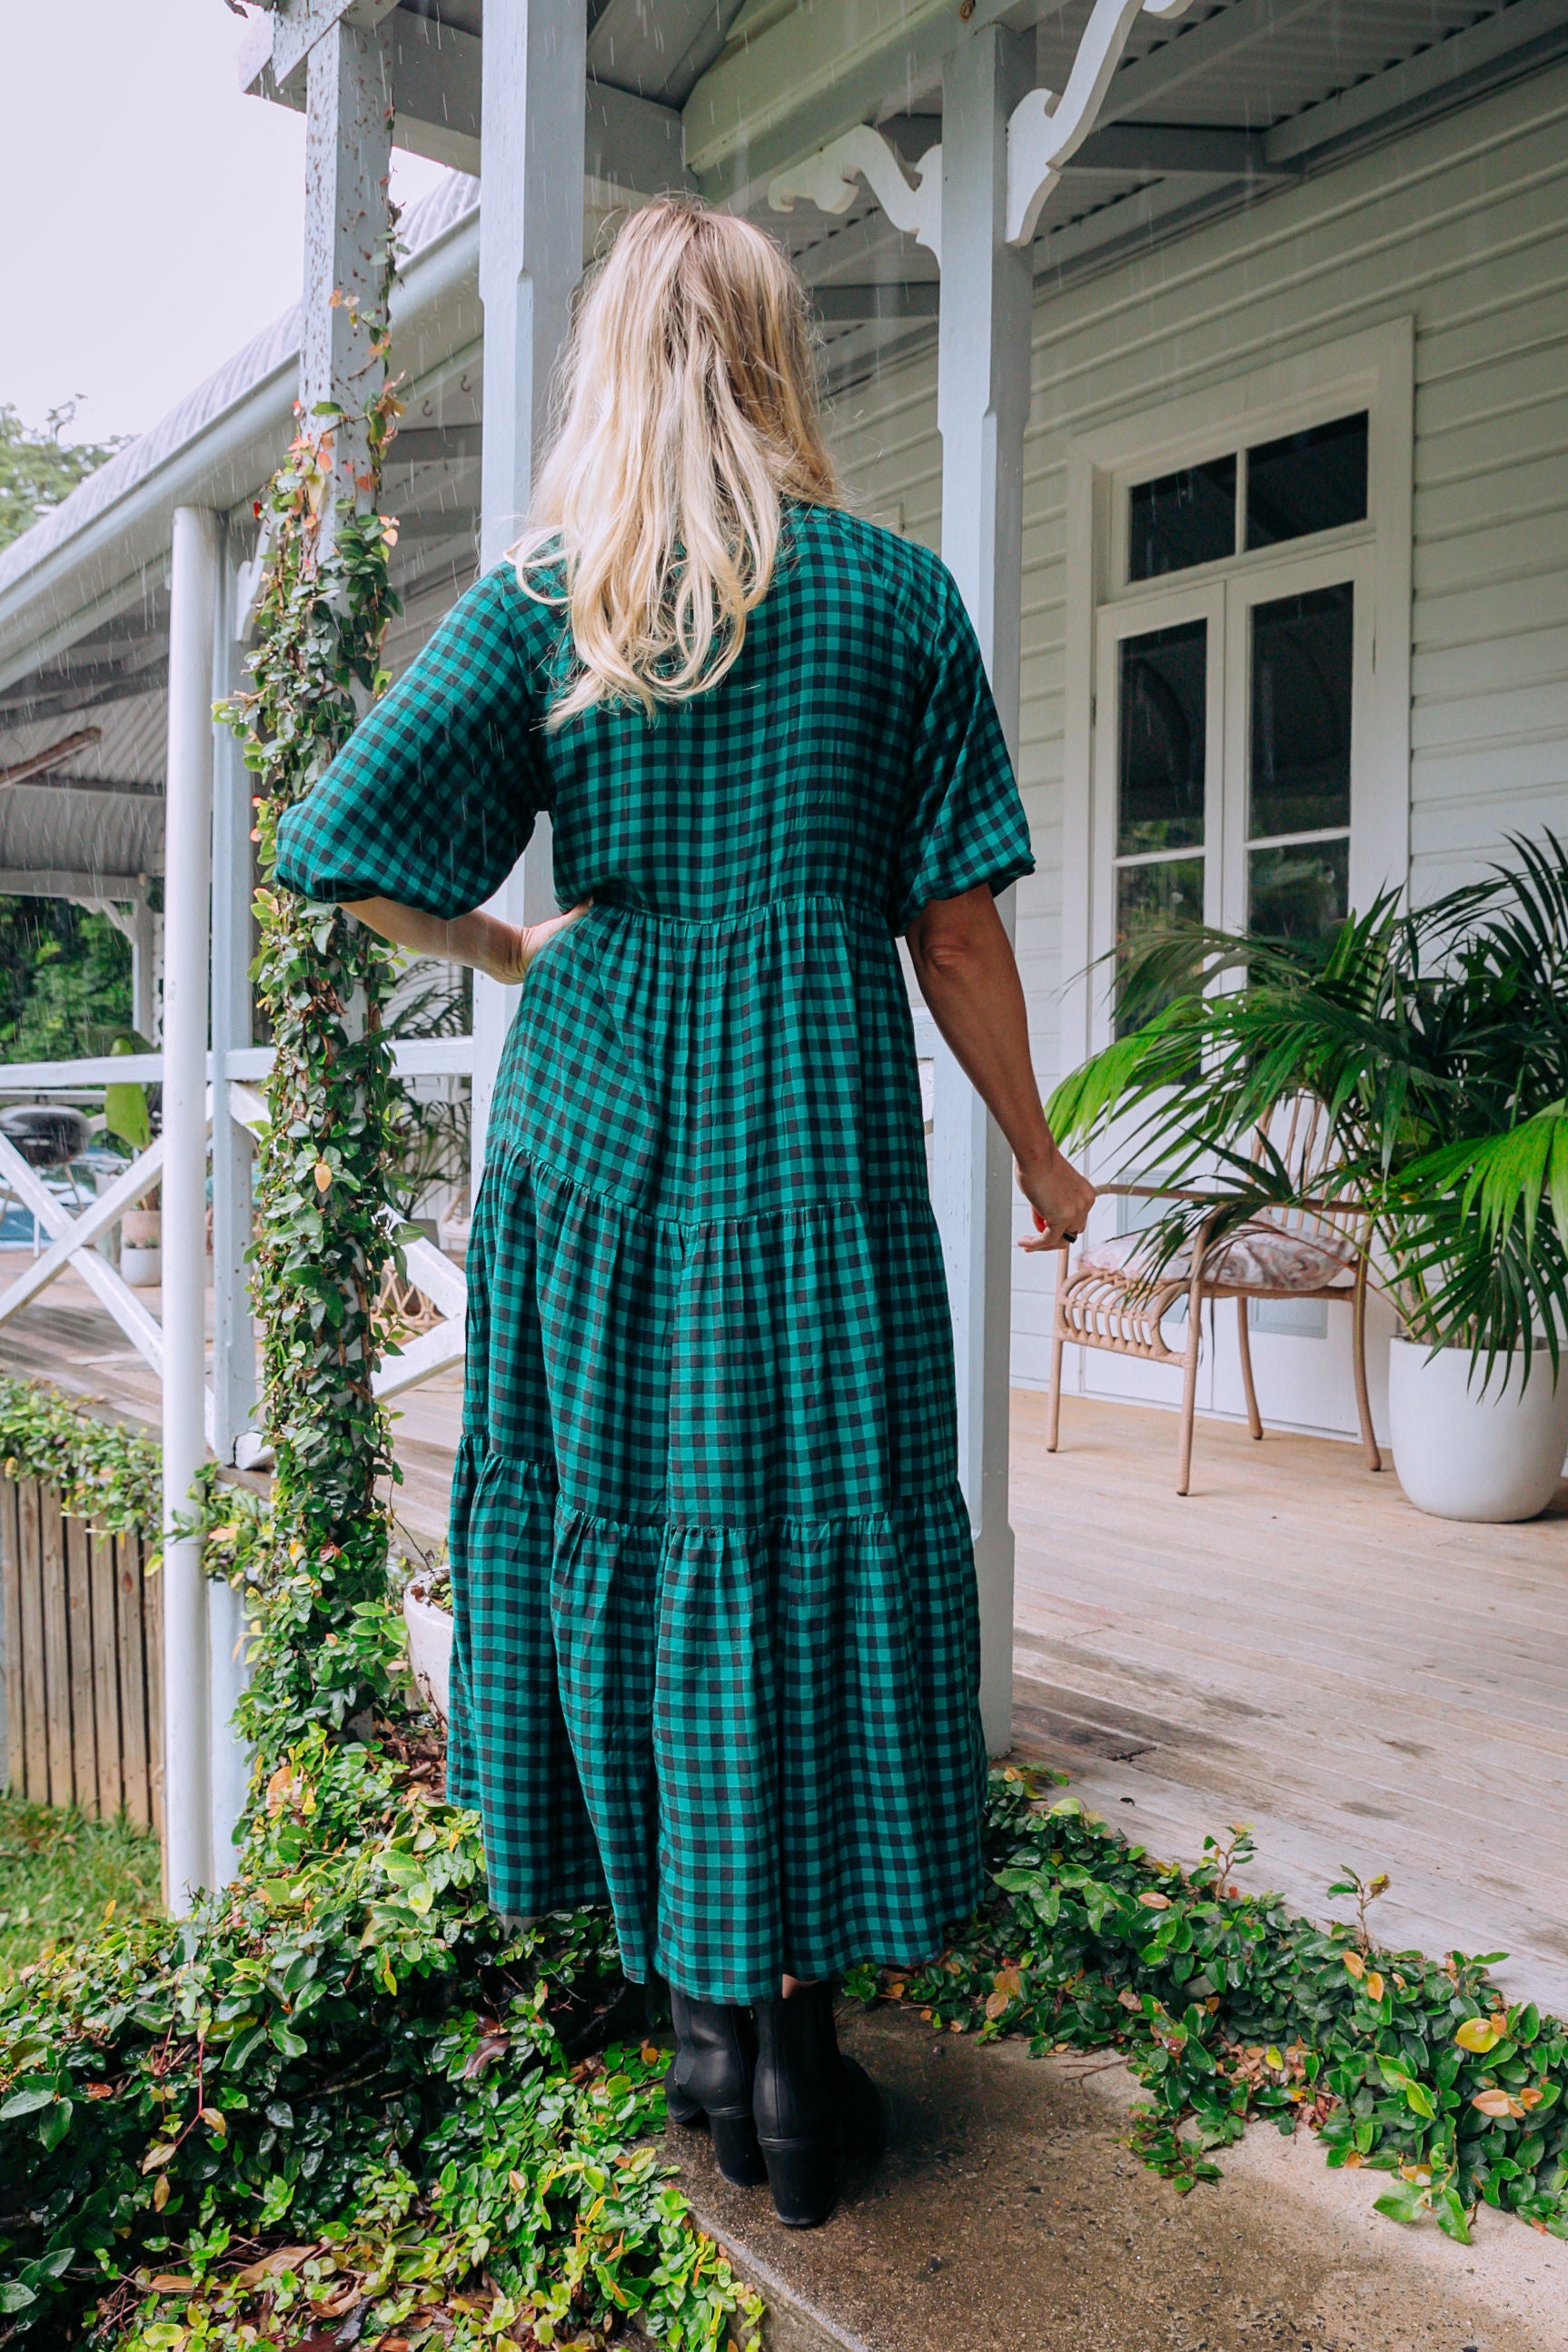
432	800
965	823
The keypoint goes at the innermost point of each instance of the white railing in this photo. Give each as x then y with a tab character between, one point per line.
73	1237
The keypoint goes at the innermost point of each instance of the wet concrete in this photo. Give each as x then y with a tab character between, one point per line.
1010	2216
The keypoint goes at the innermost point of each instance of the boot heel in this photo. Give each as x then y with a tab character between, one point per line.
679	2108
736	2152
803	2175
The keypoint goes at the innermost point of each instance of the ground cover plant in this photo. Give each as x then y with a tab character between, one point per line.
345	2088
1228	2006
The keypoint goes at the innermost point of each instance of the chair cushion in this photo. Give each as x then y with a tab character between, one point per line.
1258	1255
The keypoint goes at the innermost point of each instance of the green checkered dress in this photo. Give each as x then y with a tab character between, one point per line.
716	1652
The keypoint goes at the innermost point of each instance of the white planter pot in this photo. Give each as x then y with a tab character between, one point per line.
1463	1453
429	1651
141	1250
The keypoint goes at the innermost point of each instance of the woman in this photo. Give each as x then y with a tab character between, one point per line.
716	1652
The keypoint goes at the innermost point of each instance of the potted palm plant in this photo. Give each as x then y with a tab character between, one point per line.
1436	1040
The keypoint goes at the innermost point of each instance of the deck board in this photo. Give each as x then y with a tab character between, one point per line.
1291	1645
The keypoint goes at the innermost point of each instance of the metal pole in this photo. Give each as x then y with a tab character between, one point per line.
530	263
188	1839
982	407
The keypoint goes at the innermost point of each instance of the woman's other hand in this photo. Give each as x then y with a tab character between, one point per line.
963	961
1060	1198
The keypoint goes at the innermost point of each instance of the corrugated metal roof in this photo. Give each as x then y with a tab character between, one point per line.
275	348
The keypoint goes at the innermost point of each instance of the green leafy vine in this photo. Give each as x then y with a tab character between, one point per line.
326	1227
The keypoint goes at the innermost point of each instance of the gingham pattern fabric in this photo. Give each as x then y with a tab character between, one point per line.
716	1651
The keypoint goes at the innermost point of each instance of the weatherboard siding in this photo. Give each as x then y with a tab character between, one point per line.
1461	225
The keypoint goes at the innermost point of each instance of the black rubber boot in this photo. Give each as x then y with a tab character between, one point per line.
811	2105
711	2075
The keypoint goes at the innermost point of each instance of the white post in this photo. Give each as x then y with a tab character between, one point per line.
530	263
143	1004
348	156
983	405
187	1833
233	1330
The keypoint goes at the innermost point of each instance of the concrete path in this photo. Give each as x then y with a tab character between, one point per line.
1010	2217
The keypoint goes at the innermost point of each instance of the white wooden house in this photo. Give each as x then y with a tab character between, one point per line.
1222	348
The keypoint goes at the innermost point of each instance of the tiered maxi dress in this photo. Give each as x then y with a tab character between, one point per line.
716	1654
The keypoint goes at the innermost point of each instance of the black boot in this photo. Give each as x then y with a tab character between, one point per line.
710	2074
811	2105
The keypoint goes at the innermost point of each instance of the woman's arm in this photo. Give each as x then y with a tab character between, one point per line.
964	963
501	949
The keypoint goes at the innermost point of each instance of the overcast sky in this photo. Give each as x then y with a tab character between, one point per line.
150	213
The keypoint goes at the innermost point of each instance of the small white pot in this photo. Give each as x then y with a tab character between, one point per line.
141	1248
429	1651
1466	1453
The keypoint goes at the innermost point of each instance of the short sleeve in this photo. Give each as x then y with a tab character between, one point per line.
965	822
432	800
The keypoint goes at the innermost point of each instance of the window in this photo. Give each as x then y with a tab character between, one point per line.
1238	676
1297	486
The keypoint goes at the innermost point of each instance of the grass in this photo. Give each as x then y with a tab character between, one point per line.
59	1874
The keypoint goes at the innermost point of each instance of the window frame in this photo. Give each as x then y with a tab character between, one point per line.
1375	372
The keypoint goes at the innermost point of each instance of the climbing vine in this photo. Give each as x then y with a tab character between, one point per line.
326	1227
105	1472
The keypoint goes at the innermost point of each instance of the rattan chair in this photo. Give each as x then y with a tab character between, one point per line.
1121	1309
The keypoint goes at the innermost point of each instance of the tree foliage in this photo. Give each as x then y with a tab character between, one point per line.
38	469
65	981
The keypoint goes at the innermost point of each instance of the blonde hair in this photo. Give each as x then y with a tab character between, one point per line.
686	413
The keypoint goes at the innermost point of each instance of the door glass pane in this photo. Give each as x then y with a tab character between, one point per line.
1181	519
1303	653
1300	892
1150	900
1306	482
1164	717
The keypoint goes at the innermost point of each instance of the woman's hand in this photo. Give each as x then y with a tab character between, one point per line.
1060	1198
505	950
964	963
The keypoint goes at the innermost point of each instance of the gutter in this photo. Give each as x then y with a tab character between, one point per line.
123	549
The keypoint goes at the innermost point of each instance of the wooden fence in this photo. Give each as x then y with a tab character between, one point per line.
82	1642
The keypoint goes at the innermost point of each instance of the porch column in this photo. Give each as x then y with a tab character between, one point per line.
193	602
530	263
143	1004
348	160
234	1329
982	406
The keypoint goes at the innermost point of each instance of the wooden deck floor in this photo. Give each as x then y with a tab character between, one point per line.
1295	1646
1292	1645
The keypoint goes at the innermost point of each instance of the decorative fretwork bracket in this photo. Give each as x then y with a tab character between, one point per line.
827	181
1044	131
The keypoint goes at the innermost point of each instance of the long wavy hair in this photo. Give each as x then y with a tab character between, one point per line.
686	414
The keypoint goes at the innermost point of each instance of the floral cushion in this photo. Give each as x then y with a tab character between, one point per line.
1258	1255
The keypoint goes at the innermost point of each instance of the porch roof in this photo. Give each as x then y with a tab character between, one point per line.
1218	107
